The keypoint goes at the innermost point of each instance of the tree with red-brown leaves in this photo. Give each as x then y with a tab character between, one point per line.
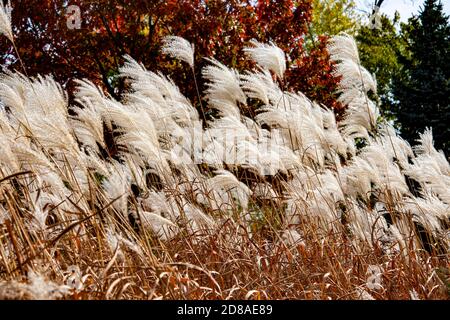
50	40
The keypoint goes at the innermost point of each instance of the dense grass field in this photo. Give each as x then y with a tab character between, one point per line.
257	193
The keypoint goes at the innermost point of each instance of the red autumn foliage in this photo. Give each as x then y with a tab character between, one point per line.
112	28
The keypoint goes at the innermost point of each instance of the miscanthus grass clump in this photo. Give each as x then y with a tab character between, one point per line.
286	203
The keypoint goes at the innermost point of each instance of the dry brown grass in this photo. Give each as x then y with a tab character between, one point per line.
227	263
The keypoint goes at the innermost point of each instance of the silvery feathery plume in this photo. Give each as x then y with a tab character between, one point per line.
343	47
268	56
179	48
5	20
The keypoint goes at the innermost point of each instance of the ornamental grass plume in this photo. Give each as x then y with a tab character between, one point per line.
179	48
5	20
268	56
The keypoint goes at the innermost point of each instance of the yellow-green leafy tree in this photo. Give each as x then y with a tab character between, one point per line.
333	16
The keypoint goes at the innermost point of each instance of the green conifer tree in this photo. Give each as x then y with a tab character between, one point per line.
422	89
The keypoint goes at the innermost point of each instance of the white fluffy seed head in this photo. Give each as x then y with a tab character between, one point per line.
5	20
268	56
343	47
223	83
179	48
